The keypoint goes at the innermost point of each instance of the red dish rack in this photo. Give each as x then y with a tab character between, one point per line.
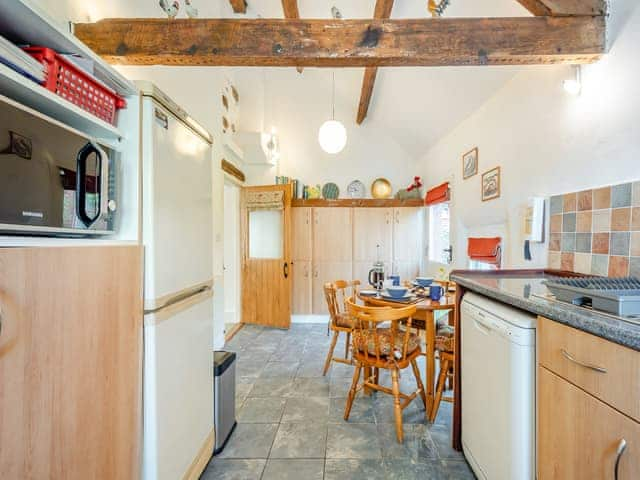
73	84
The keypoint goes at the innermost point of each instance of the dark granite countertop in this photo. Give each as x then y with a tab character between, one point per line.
527	292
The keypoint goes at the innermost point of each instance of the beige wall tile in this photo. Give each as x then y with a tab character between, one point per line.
635	218
556	223
554	260
602	198
585	200
618	266
600	243
583	221
635	244
601	221
582	263
567	261
620	219
569	201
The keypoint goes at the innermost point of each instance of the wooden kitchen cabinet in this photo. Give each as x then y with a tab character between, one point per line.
70	362
302	288
372	227
407	235
587	405
578	435
301	234
324	272
332	235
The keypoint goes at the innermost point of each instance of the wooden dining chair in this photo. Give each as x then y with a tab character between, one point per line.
336	294
381	342
445	347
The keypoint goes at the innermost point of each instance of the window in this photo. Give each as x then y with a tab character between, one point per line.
439	233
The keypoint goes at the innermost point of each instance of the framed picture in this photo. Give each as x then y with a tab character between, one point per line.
491	184
470	163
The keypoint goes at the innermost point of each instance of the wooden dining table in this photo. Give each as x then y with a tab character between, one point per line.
424	319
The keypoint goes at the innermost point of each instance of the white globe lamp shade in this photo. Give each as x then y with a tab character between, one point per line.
332	136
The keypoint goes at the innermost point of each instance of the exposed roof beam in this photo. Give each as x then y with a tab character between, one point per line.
347	43
382	10
565	7
291	11
239	6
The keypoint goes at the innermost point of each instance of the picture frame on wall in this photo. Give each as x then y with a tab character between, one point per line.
491	184
470	163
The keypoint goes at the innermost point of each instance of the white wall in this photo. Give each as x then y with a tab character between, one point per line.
545	140
297	105
231	253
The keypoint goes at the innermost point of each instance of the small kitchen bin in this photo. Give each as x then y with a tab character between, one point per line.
75	85
224	397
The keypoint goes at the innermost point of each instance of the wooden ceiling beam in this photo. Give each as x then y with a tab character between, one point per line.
347	43
382	10
547	8
239	6
290	8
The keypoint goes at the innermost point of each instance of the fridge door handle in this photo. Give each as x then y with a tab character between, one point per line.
178	298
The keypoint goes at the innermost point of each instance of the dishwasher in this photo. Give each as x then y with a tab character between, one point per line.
498	389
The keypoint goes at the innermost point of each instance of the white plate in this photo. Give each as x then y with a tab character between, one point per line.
368	293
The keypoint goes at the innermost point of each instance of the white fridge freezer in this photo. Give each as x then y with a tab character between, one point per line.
178	324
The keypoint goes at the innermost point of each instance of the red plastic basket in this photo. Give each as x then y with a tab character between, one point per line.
77	86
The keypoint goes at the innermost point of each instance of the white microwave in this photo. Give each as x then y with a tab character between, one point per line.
54	180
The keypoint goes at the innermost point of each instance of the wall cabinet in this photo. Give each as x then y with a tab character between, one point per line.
70	362
579	430
344	242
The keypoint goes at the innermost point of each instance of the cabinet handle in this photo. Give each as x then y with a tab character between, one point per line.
590	366
622	446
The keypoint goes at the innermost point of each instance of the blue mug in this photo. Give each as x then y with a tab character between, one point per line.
436	292
396	280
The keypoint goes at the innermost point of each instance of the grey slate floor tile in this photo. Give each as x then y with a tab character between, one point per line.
307	469
291	418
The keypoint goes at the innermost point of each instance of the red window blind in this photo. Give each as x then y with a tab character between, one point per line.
485	250
437	194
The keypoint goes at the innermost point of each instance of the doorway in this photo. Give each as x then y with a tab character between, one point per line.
232	306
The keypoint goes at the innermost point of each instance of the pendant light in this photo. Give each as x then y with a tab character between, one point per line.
332	135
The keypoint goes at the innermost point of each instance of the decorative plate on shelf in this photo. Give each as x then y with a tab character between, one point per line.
381	188
356	189
330	191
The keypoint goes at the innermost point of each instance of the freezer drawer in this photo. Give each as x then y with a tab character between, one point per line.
178	386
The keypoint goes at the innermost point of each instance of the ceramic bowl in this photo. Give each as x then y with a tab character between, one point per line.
424	281
397	292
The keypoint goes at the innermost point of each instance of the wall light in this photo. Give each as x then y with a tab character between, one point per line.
573	86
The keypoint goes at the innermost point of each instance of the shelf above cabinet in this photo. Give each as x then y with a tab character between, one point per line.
358	202
22	90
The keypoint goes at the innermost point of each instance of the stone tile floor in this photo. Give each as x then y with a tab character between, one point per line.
290	423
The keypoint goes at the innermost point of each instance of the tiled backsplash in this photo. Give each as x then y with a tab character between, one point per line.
597	231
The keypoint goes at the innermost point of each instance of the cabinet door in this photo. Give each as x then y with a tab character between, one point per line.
301	235
324	272
70	362
372	228
407	234
578	435
332	234
301	298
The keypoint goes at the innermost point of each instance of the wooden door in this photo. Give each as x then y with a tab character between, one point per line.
266	255
578	435
324	272
407	241
301	234
302	286
372	228
70	362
